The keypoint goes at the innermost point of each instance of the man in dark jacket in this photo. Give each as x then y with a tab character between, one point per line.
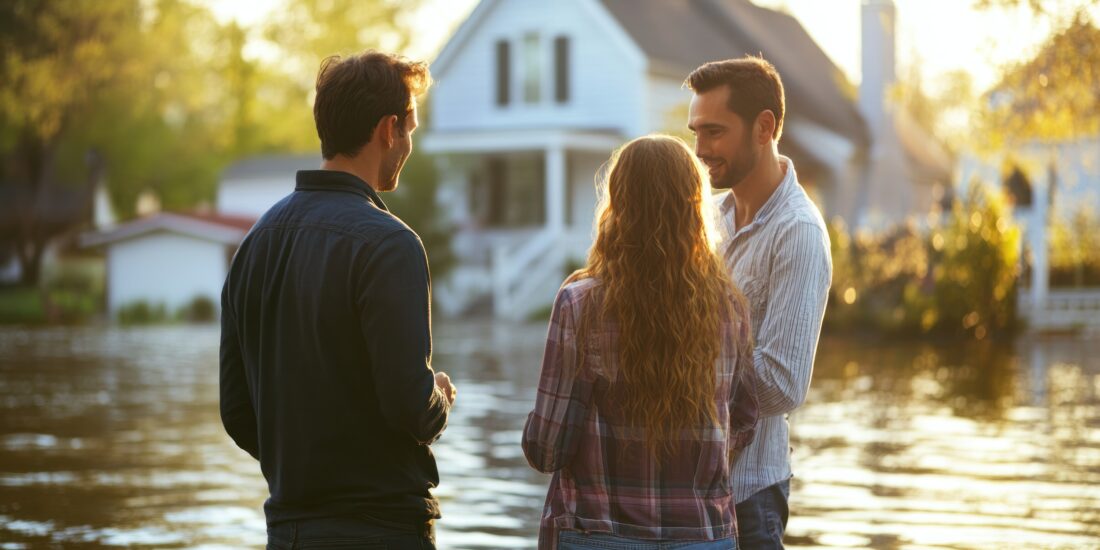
326	373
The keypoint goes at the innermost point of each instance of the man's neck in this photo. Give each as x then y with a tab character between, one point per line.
755	190
361	167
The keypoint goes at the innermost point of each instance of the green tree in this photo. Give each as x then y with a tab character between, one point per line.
939	110
59	59
1052	96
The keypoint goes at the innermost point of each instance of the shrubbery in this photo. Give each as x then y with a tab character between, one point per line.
956	277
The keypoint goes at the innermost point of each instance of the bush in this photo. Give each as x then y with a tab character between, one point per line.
977	255
141	312
201	309
956	278
879	281
1075	250
74	292
21	305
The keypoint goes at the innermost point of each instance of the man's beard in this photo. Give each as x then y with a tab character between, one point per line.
738	167
391	170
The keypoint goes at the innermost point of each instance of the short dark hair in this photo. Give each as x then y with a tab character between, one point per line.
357	91
754	86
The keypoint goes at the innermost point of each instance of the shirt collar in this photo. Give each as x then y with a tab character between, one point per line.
335	180
772	204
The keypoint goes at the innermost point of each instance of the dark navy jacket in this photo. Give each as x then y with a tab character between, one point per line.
325	357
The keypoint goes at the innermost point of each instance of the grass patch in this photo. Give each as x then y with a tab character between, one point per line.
21	305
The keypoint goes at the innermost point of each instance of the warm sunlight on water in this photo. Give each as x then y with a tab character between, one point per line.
111	437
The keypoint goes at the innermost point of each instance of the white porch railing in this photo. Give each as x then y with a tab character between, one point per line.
526	276
519	271
1066	309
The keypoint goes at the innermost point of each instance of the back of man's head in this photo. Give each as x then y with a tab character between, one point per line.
355	92
754	86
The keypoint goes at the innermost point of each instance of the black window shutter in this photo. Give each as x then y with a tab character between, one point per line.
504	76
561	69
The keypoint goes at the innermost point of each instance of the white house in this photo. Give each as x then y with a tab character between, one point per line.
533	96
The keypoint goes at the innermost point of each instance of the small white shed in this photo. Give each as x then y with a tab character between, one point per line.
168	259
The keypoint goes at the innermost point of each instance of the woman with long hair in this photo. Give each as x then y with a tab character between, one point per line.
647	389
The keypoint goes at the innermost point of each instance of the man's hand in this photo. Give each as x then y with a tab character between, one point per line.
443	382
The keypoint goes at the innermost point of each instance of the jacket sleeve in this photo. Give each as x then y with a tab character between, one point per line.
394	301
237	412
787	339
554	429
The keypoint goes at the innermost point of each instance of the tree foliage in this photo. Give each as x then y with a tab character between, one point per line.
158	96
957	278
1054	96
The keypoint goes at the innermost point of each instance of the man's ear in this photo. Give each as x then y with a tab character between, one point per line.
386	131
765	124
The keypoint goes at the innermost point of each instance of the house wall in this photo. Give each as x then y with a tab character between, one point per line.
164	268
1078	173
666	105
607	76
583	169
252	197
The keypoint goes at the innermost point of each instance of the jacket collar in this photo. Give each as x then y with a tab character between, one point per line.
334	180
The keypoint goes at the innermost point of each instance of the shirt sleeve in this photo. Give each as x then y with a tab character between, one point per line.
554	429
394	300
237	412
787	339
744	404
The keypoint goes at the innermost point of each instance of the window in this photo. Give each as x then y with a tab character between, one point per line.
504	77
561	69
532	70
509	191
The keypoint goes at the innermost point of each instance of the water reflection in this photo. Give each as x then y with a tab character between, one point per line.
111	437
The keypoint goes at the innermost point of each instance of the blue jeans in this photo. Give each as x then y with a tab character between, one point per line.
348	533
762	518
576	540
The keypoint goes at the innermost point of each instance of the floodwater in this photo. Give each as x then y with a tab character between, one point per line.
111	437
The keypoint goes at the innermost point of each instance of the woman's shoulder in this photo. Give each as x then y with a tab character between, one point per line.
578	289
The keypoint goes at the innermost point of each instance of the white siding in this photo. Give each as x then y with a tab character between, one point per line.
666	99
583	168
252	197
164	268
607	79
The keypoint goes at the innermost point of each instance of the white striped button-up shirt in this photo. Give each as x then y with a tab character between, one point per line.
781	261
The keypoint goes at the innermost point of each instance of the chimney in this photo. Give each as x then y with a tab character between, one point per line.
878	58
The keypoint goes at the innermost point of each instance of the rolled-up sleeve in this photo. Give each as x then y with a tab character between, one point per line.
744	406
787	338
554	429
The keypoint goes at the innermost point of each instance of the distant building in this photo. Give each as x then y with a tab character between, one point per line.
533	96
252	185
170	259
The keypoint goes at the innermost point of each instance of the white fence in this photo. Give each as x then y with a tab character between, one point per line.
1068	309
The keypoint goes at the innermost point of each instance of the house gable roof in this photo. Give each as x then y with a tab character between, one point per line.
469	26
217	228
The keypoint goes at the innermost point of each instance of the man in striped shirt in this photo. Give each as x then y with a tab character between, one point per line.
776	246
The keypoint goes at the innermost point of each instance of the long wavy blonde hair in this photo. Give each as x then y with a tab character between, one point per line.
663	283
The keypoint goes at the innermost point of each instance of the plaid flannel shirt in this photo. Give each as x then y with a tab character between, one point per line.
604	478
